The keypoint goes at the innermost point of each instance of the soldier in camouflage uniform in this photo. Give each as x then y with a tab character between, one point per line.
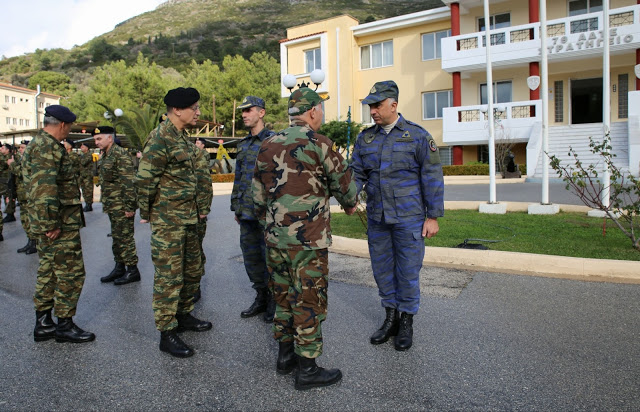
15	164
75	158
251	233
7	183
296	173
117	178
398	164
86	176
205	197
168	197
56	218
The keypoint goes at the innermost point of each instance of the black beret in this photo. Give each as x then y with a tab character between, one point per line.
103	130
71	143
24	142
201	140
61	113
8	146
181	97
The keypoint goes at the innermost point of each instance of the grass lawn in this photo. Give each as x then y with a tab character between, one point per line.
564	234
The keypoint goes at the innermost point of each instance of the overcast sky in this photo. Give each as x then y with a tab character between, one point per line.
28	25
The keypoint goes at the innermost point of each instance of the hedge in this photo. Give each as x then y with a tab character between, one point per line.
473	170
222	177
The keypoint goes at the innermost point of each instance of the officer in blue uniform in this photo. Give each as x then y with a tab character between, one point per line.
398	164
251	233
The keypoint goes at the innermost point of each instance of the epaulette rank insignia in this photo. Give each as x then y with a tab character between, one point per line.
406	137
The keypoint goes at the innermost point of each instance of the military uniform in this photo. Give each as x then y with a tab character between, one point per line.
296	173
17	169
6	191
4	171
54	198
117	177
205	196
251	233
168	198
86	177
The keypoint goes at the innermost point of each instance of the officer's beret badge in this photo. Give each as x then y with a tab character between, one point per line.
97	131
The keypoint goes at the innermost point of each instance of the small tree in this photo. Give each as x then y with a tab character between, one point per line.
624	189
336	130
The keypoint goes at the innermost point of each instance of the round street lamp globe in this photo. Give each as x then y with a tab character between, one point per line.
317	76
107	115
118	112
289	81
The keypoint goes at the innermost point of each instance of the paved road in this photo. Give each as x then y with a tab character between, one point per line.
512	192
482	341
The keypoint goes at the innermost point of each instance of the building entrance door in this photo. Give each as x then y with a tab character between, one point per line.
586	101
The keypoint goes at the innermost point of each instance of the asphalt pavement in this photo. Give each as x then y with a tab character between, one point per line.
483	341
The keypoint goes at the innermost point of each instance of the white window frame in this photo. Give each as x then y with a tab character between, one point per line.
383	46
366	115
495	92
13	99
425	103
589	7
317	59
26	122
436	43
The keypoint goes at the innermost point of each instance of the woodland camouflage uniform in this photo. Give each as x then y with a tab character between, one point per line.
296	173
86	176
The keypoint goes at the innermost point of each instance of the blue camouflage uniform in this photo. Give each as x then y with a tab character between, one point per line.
251	233
402	178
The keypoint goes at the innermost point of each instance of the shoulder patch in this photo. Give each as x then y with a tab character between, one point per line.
432	145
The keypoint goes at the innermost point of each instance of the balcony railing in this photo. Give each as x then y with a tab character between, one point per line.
469	124
521	43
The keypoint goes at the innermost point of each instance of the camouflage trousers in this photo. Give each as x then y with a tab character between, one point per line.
60	274
124	244
24	213
86	184
201	227
397	251
300	280
253	253
175	252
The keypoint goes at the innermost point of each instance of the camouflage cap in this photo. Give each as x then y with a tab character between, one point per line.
380	91
303	99
251	101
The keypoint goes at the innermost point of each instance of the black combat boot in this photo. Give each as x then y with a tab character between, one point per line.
259	305
25	247
287	358
9	218
131	275
67	331
117	272
1	237
32	248
389	327
88	208
271	308
186	321
311	375
45	326
171	343
404	340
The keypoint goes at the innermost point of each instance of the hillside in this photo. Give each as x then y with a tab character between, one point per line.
180	31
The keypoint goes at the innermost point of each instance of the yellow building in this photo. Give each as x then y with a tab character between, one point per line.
20	108
438	59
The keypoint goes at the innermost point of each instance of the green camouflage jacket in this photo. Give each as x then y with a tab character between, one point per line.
117	178
52	186
86	164
167	180
296	173
4	167
16	169
205	188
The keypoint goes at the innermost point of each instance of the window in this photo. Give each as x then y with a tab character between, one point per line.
376	55
558	100
497	21
431	44
623	96
434	102
446	156
501	92
26	122
15	121
577	7
48	104
41	105
6	98
21	122
8	120
13	99
366	115
312	60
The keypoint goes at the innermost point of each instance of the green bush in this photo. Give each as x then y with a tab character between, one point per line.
473	169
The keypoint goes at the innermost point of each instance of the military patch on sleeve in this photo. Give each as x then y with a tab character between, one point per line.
434	156
432	145
406	137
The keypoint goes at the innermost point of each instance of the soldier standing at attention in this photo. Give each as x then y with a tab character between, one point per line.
86	176
168	197
75	158
15	164
251	233
119	201
398	164
56	218
205	197
6	185
296	173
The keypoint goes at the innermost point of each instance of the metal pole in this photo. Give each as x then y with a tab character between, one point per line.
606	97
348	131
544	94
490	114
